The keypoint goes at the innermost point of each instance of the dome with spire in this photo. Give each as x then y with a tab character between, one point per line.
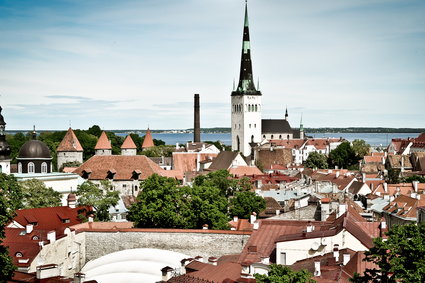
34	157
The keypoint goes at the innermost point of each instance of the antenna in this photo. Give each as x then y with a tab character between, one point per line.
233	84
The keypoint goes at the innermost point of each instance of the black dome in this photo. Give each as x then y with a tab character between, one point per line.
34	149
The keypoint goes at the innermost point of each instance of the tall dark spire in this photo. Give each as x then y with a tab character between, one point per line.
246	79
4	146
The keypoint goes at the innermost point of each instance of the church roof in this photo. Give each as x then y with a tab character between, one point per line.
103	142
128	143
34	149
275	126
124	167
70	142
148	141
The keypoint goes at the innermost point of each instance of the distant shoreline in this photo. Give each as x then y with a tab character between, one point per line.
228	130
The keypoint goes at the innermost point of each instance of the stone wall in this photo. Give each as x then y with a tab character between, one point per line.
203	243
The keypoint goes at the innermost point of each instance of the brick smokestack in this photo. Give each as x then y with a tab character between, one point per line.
197	121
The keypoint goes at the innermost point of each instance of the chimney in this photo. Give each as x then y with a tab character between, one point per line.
253	218
385	187
415	186
336	174
90	219
197	121
212	260
277	212
383	225
47	271
364	177
346	259
336	252
205	227
310	227
256	225
79	277
199	258
317	268
29	228
166	273
71	200
235	219
51	236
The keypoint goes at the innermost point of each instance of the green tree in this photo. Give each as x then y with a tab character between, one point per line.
162	203
399	258
224	181
99	198
246	202
343	156
361	148
88	142
410	179
283	274
16	142
316	160
36	194
94	130
393	176
10	201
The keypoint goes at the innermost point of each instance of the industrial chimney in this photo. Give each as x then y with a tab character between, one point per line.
197	121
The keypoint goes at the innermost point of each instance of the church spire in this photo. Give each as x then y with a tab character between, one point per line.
246	79
286	113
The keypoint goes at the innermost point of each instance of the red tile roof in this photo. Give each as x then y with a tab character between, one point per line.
404	206
125	167
186	161
210	273
128	143
103	142
148	141
45	220
295	143
241	171
241	225
372	159
70	142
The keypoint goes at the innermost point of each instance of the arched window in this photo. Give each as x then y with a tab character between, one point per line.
271	136
280	137
264	136
31	167
35	238
19	167
287	137
44	167
238	143
19	254
1	169
250	126
256	108
239	126
252	138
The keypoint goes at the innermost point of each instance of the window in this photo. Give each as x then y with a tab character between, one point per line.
35	238
280	136
283	258
256	107
19	167
250	126
44	167
19	254
271	136
255	125
31	167
264	136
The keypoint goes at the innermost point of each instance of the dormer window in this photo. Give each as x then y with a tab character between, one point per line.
35	238
135	174
111	174
19	254
86	173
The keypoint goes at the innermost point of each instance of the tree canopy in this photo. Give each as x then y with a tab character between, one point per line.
316	160
99	198
244	203
163	203
36	194
343	156
10	201
361	148
283	274
399	258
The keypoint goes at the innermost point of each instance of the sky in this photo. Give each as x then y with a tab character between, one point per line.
135	64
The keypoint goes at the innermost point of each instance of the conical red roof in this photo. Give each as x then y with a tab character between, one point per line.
70	142
128	143
103	142
148	142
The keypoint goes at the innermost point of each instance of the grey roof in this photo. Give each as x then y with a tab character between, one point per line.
355	187
275	126
223	160
34	149
284	195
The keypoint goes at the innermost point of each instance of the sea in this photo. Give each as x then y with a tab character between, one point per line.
374	139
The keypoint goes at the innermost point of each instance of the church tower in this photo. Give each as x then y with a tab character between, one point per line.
246	101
